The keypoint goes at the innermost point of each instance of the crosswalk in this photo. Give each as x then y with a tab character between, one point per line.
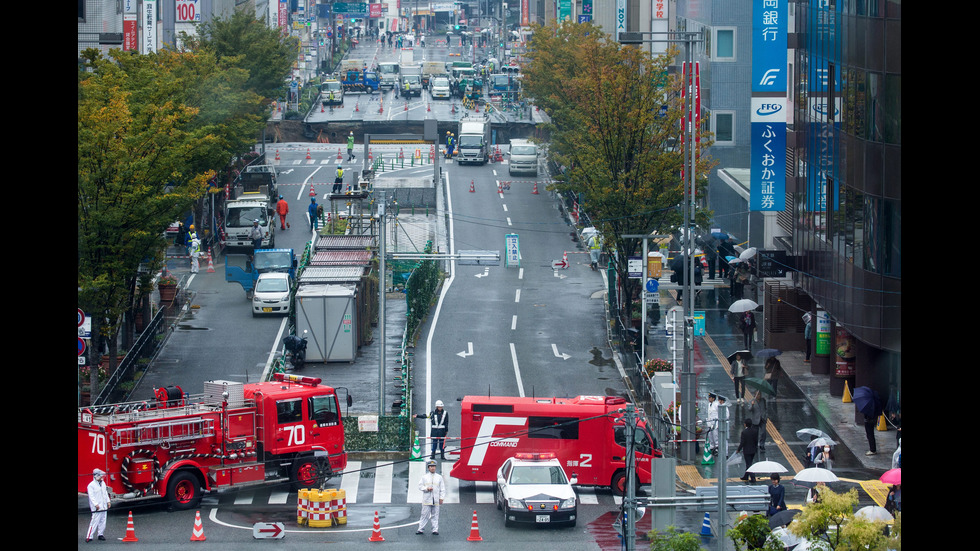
397	483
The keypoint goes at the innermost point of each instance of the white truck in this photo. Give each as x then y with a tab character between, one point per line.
253	197
473	140
388	73
409	81
431	69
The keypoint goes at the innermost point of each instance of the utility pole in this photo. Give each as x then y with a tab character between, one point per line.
383	279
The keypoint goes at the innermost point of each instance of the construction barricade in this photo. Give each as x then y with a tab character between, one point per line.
321	508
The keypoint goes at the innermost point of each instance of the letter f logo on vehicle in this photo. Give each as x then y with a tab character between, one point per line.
485	435
769	77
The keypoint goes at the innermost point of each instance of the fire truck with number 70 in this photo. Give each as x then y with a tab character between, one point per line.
178	446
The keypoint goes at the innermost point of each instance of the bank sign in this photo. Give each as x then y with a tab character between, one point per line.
768	118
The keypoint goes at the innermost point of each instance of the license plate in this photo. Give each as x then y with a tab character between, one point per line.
267	309
542	518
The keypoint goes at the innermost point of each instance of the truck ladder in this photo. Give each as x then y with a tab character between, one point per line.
177	430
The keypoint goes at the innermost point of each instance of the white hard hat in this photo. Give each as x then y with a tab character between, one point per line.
439	403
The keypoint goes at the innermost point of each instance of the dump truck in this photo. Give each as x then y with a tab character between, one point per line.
245	269
473	140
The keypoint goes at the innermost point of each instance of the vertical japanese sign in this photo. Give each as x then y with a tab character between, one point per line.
659	23
149	27
512	258
768	117
564	10
526	13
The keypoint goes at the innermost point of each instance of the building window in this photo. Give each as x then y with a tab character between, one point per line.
723	125
724	44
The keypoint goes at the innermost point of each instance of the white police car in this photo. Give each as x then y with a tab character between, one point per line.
532	488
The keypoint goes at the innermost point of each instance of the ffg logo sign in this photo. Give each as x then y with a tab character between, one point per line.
769	45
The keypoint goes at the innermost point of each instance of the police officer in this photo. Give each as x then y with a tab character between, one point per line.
433	488
439	423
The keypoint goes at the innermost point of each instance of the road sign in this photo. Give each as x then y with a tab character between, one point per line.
268	530
350	8
652	285
556	264
634	267
81	346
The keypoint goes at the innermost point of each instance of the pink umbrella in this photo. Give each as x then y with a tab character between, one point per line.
892	476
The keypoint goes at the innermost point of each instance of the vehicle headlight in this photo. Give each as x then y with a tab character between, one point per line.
515	503
567	503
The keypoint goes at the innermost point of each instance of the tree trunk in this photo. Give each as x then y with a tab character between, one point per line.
94	352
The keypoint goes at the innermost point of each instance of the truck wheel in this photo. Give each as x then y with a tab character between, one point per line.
309	472
619	483
184	491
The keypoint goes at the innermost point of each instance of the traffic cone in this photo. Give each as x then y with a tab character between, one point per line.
130	531
277	154
472	189
477	106
356	107
427	107
707	458
198	533
474	530
847	394
706	525
564	258
376	534
210	263
312	191
308	153
321	108
406	105
416	449
535	190
882	424
499	188
339	156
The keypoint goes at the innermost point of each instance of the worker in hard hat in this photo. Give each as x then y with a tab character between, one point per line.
433	488
350	146
439	427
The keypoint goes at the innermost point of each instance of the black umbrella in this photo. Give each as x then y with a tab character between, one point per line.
783	518
746	355
867	401
678	262
767	353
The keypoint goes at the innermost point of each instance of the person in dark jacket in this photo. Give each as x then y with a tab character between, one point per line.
777	496
439	421
748	445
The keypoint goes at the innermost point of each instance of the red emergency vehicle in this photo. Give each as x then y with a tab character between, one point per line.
288	430
586	433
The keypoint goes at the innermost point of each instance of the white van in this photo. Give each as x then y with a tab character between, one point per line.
523	157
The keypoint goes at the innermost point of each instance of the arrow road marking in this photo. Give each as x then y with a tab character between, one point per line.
486	272
563	356
467	352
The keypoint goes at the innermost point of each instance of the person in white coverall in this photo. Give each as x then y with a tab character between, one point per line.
195	256
433	489
98	502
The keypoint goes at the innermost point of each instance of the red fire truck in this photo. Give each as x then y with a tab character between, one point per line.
287	430
586	433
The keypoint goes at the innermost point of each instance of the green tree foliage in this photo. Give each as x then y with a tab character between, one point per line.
752	532
673	539
244	42
831	520
620	152
133	150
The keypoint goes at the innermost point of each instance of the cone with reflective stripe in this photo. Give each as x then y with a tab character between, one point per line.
474	530
210	263
376	533
706	526
198	533
416	449
130	531
535	190
707	458
472	189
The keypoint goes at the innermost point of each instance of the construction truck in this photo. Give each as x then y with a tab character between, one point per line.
245	269
432	69
355	77
178	446
388	72
473	140
409	81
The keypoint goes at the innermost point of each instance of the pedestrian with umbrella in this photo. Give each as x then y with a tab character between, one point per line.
759	417
773	370
868	402
677	265
747	323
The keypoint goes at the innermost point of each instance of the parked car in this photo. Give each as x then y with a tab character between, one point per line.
440	87
273	294
533	488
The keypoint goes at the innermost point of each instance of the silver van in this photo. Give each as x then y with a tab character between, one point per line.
523	158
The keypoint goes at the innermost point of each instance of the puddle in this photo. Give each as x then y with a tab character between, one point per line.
597	358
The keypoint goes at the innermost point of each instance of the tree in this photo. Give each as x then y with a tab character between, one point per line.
752	532
133	147
247	43
620	151
831	519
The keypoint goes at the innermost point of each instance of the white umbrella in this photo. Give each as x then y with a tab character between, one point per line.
785	537
820	442
812	545
766	467
815	474
874	513
742	305
813	433
747	253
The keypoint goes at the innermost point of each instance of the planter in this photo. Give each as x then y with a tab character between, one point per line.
167	292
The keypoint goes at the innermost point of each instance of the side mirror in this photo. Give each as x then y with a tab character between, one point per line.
573	480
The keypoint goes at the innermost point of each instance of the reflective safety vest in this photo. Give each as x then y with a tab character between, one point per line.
340	172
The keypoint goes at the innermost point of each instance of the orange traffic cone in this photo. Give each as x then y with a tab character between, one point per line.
339	156
535	190
376	533
198	533
210	263
130	531
356	107
406	105
477	106
472	189
308	153
474	530
277	154
312	191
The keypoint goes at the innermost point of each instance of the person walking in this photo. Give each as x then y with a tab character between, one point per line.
594	250
777	496
282	207
748	329
807	337
195	256
824	459
869	430
433	489
774	371
312	212
439	425
338	182
350	146
711	255
98	502
255	234
748	445
759	415
739	370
